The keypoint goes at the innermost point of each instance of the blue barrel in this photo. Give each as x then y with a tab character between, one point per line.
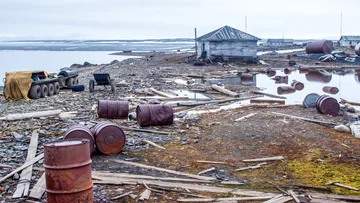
310	100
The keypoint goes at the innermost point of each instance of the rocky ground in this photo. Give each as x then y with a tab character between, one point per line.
313	154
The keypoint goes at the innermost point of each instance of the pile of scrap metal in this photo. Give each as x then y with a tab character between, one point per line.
337	56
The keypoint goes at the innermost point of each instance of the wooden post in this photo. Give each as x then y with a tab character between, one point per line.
196	52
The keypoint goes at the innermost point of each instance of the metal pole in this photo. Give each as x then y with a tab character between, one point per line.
340	24
196	50
245	23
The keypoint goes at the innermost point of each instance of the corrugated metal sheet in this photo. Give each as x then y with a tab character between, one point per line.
350	38
227	33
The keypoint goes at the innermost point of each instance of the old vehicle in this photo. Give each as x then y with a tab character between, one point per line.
37	84
101	79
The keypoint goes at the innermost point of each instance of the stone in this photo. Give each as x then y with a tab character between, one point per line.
17	136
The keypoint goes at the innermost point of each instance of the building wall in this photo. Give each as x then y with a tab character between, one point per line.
230	48
278	44
346	43
200	48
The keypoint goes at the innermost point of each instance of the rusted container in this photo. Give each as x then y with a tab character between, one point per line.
281	79
318	76
113	109
80	131
67	166
287	71
320	47
270	72
292	63
357	49
110	139
303	69
330	90
288	57
327	105
297	85
151	115
310	100
246	77
285	90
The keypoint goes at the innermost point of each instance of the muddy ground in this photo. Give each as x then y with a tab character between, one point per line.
313	154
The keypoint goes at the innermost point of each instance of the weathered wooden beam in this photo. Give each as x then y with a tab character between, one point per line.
39	188
225	91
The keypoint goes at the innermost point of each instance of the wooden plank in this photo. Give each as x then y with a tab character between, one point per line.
293	195
306	119
224	91
163	170
250	167
143	130
196	187
207	170
211	162
271	101
145	195
163	94
25	165
100	174
22	189
330	196
224	199
217	101
121	196
154	144
275	158
20	116
349	102
39	188
245	117
269	95
279	200
14	165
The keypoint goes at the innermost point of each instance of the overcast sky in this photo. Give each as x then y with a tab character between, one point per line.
144	19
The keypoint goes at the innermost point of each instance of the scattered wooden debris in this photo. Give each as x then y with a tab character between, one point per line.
338	197
25	165
21	116
275	158
245	117
217	101
14	165
306	119
271	101
143	130
22	189
341	185
224	91
279	199
121	196
163	94
39	188
269	95
224	199
145	195
163	170
211	162
293	195
207	170
155	145
349	102
250	167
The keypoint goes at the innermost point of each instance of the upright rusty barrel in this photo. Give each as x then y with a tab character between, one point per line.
151	115
327	105
80	131
330	90
110	139
113	109
357	49
318	76
320	47
67	166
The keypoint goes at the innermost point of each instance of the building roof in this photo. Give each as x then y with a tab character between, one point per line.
227	33
350	38
280	41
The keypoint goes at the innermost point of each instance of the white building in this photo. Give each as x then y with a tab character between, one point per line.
227	43
279	42
346	41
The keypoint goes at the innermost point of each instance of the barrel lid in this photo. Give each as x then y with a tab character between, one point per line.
67	142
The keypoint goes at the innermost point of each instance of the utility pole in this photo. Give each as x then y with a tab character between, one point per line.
196	50
245	23
340	24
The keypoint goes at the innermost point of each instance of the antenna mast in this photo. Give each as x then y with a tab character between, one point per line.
340	24
245	23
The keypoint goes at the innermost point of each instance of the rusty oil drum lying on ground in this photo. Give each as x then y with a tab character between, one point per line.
330	90
285	90
357	49
320	47
303	69
113	109
246	77
110	139
158	114
80	131
297	85
327	105
318	76
67	166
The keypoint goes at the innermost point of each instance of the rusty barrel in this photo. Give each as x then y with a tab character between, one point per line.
320	47
285	90
110	139
310	100
287	71
158	114
357	49
270	72
303	69
113	109
297	85
327	105
67	166
318	76
330	90
80	131
246	77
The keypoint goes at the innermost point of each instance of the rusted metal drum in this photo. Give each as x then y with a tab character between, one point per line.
270	72
281	79
287	71
357	49
246	77
288	56
67	166
285	90
318	76
80	131
310	100
303	69
151	115
297	85
113	109
327	105
330	90
110	139
320	47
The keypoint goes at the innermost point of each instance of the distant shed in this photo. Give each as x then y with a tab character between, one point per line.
227	43
346	41
279	42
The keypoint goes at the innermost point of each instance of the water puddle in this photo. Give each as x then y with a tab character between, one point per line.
251	81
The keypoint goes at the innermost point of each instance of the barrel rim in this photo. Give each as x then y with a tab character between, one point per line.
83	141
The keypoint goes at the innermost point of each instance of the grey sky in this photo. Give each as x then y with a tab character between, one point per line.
139	19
